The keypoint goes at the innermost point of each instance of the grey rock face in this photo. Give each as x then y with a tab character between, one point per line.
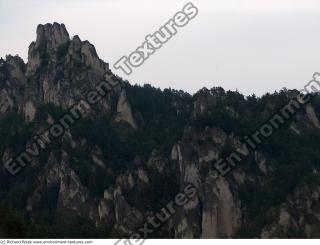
124	111
61	70
49	39
6	102
120	189
300	214
12	82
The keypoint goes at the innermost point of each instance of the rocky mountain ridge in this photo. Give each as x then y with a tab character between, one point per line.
140	146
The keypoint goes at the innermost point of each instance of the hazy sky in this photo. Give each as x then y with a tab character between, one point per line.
255	46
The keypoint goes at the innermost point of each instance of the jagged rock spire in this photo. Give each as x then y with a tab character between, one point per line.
49	38
53	40
51	35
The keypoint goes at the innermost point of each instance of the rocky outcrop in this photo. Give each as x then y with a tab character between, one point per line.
61	70
216	211
221	210
298	215
49	39
12	82
73	199
124	111
6	102
127	160
312	116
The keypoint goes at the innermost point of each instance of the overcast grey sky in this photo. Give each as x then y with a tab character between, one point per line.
255	46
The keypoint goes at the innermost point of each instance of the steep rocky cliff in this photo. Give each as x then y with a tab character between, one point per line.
139	147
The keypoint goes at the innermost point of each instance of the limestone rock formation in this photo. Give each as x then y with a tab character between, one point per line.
138	148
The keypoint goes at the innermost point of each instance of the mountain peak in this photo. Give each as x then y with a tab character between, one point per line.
53	47
50	38
52	35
